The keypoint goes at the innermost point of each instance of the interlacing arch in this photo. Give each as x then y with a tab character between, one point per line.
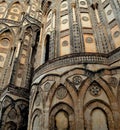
66	112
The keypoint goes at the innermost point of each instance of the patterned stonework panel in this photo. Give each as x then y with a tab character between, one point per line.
109	13
64	23
3	7
64	6
85	18
83	4
116	35
65	46
2	59
89	41
14	13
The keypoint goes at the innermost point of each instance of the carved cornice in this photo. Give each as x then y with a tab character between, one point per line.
14	90
78	58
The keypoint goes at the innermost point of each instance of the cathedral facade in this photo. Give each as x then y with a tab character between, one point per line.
60	65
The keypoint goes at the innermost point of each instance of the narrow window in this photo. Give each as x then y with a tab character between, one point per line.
47	48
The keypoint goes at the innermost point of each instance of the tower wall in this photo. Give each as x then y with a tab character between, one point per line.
76	82
20	23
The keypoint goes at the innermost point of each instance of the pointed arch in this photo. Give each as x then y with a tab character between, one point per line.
36	120
106	115
103	84
62	107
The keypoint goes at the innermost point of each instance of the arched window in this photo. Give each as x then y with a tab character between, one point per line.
61	121
47	44
99	120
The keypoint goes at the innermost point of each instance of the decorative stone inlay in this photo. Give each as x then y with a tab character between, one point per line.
113	82
109	12
89	40
85	18
12	114
116	34
61	93
65	43
95	90
64	5
64	21
47	87
77	80
1	58
82	3
4	42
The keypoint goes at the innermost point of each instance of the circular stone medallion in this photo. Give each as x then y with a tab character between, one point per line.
82	3
65	43
116	34
109	12
113	82
4	42
95	90
61	93
64	21
89	40
85	18
77	80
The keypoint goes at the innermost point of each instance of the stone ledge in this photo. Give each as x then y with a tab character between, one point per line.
78	58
